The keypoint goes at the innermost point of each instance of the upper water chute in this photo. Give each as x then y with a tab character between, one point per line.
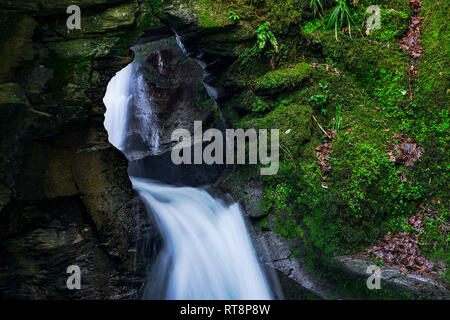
116	100
130	118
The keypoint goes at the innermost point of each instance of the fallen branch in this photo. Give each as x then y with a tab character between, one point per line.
321	127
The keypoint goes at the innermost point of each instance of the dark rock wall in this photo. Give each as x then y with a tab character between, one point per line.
65	197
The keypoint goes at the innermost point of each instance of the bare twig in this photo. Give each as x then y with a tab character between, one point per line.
289	154
323	130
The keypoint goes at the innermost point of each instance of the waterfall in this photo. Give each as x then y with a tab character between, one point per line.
116	100
207	252
129	114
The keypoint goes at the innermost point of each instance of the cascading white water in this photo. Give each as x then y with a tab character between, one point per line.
116	101
128	88
207	252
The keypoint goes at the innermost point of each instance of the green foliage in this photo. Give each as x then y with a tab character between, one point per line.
391	95
369	182
233	16
282	14
380	70
430	123
277	197
260	106
339	16
313	26
264	34
249	62
320	100
301	209
433	241
213	14
251	57
315	5
366	195
337	119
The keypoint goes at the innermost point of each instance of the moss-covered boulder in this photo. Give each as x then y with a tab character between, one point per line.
279	81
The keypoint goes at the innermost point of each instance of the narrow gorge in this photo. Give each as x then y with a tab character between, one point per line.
87	177
206	252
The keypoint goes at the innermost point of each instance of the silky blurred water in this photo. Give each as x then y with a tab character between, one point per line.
116	100
206	251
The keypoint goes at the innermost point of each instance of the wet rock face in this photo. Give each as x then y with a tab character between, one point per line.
54	152
52	235
54	148
167	94
74	205
273	251
296	281
419	285
249	194
65	197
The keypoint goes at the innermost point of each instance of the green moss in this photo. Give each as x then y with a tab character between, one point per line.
212	14
202	98
65	70
365	195
280	14
369	184
394	25
283	80
430	124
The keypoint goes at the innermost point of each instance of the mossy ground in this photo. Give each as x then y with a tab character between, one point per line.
366	196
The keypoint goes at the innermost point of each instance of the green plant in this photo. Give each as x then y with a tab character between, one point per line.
233	16
341	14
260	106
337	119
315	5
314	26
320	100
277	197
264	34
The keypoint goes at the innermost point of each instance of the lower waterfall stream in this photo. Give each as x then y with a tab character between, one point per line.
207	252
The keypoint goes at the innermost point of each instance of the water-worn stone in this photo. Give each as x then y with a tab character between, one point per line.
419	285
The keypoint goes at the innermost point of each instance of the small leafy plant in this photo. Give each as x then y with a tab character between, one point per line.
337	119
339	16
233	16
320	100
264	34
260	106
